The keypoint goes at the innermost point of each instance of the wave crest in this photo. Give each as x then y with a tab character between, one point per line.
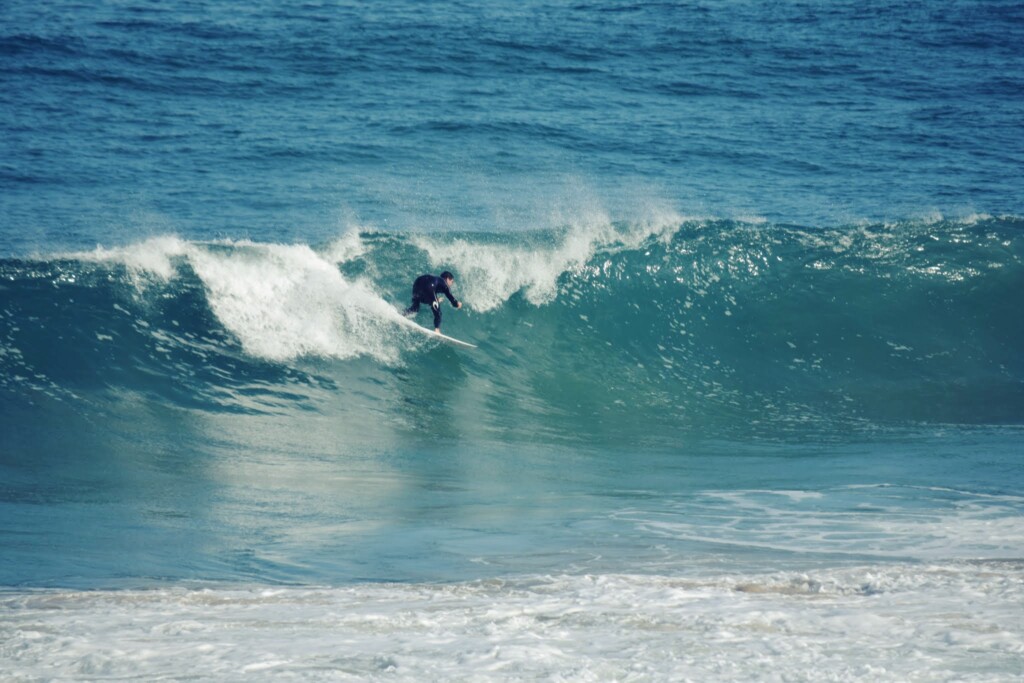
672	321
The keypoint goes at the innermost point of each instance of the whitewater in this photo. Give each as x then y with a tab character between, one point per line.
744	280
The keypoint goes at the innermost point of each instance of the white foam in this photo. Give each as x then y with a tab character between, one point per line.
489	274
285	301
280	301
346	248
879	521
152	257
891	623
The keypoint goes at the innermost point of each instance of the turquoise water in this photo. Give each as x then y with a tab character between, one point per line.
744	279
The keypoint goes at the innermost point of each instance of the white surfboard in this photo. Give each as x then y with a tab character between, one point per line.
446	338
437	335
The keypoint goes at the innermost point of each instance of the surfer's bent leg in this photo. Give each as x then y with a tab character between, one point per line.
412	310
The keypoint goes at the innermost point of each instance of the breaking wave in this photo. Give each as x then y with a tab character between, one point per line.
655	328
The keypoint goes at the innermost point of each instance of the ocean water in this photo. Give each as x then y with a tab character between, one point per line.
745	279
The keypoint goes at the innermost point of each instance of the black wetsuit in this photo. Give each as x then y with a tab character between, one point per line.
425	291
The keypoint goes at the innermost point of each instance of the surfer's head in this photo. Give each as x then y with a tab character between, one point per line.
448	277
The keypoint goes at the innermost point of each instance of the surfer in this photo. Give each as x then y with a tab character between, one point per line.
427	289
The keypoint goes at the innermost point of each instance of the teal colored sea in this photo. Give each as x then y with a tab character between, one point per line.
744	280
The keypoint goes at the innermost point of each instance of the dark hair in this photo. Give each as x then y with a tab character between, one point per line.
447	276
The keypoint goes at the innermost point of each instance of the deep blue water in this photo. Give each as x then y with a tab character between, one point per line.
289	123
745	281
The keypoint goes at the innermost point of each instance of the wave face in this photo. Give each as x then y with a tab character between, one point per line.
653	329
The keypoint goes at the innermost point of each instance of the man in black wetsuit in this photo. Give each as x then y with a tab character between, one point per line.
427	289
